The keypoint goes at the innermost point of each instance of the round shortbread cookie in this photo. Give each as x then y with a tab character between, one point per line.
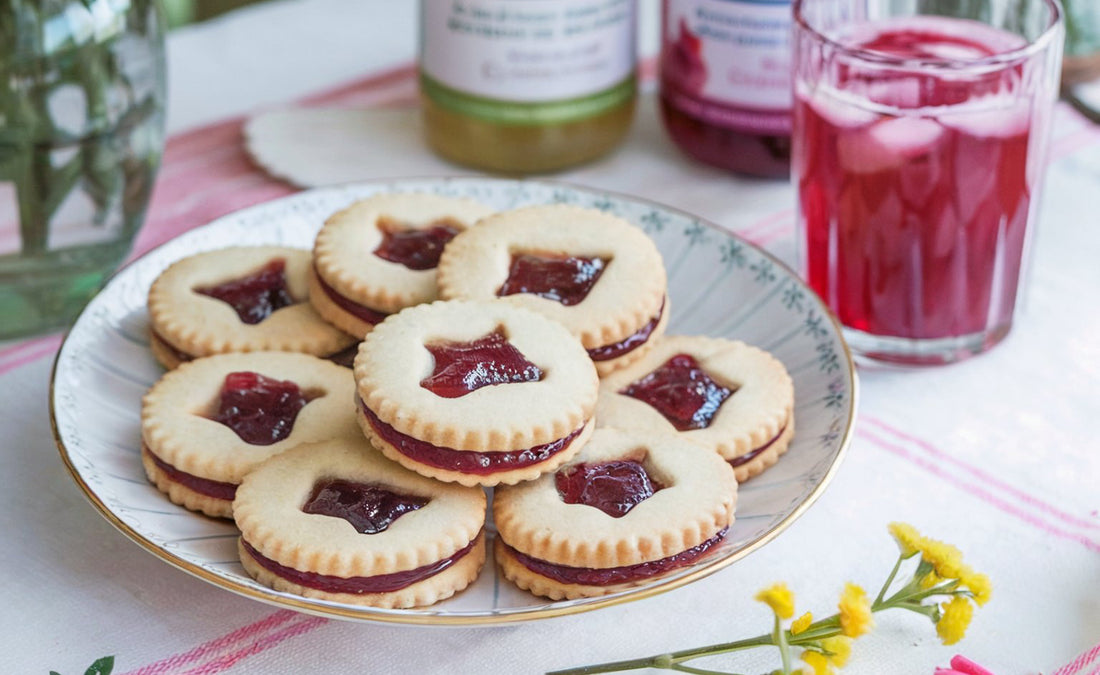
625	308
504	430
186	324
691	509
357	277
416	558
750	429
198	461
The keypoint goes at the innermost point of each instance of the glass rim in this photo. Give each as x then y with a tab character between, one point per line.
1012	56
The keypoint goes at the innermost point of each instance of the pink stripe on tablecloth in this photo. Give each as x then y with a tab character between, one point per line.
223	663
1078	663
207	648
404	71
769	238
48	349
985	476
767	222
981	492
1071	143
215	202
25	345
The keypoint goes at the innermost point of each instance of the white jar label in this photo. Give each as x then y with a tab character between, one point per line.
733	52
528	50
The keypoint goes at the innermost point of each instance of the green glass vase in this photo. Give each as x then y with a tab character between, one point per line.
82	89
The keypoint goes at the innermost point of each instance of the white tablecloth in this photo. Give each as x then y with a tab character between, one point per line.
997	455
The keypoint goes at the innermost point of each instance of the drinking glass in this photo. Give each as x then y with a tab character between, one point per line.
919	146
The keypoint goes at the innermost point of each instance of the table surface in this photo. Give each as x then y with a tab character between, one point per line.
997	454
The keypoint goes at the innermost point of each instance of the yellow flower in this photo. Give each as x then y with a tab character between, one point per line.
909	540
929	580
955	619
840	648
779	598
978	583
855	611
801	623
818	661
945	558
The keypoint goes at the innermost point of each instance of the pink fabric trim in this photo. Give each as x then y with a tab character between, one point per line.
981	493
985	476
768	222
26	344
1078	663
207	648
47	349
227	661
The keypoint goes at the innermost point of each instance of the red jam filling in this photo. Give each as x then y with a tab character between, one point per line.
564	279
379	583
261	410
612	487
588	576
751	455
463	367
682	392
369	508
256	296
204	486
415	248
630	343
361	312
465	461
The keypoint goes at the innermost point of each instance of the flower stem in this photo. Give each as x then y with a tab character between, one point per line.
780	636
675	658
889	580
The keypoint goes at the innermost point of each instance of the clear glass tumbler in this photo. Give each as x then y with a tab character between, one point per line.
82	87
919	147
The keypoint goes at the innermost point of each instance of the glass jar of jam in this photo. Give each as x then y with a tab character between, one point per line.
725	83
527	86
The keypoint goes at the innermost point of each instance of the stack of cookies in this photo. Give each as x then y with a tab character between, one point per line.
519	355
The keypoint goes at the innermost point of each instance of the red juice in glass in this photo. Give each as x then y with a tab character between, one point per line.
917	184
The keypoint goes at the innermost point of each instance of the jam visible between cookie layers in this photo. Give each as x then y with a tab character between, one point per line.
681	391
628	344
417	248
463	367
256	296
752	454
259	409
609	576
369	508
561	278
204	486
361	312
612	487
465	461
379	583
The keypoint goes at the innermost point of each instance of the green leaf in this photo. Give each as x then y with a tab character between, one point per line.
102	666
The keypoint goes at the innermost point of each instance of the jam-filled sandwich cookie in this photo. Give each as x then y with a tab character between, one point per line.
378	256
593	272
478	393
726	395
630	507
337	521
207	423
243	299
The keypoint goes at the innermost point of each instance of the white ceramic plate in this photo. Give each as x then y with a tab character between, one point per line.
719	285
